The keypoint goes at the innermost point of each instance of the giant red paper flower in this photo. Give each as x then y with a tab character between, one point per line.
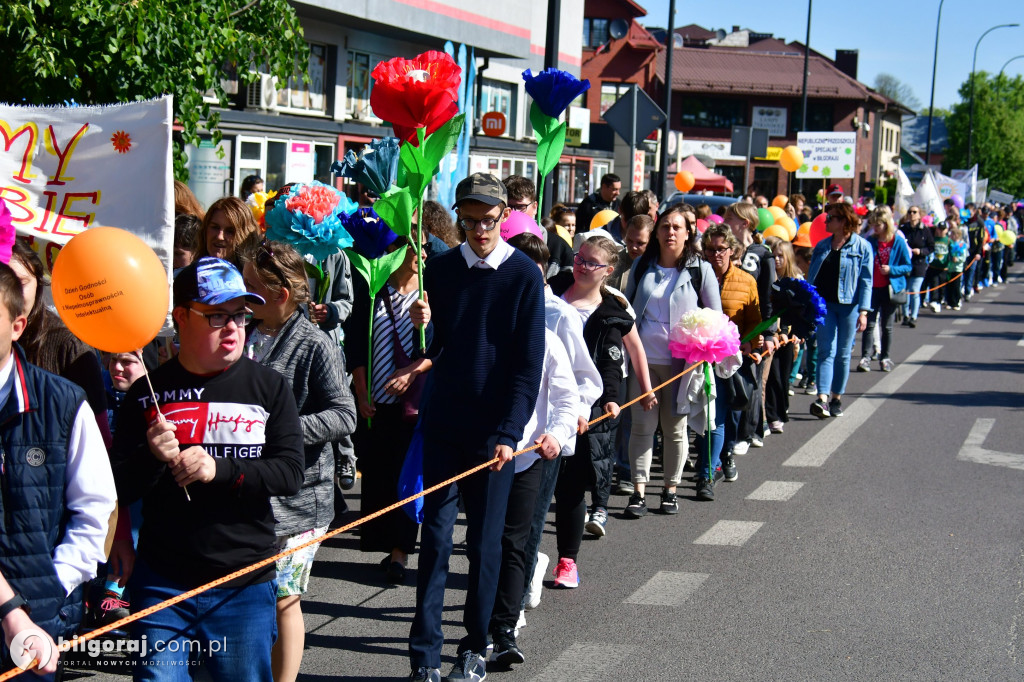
416	93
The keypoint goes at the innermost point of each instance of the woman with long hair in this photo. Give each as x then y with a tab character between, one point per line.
668	280
228	228
282	337
841	269
891	265
921	242
776	387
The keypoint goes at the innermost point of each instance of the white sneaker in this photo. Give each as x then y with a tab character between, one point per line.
936	308
741	447
521	623
757	441
537	581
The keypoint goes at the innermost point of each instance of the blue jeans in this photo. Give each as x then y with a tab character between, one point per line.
485	496
229	631
914	284
723	416
996	265
835	342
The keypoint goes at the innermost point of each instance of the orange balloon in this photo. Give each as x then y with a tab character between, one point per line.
780	201
791	159
788	223
602	218
779	231
110	289
685	181
777	213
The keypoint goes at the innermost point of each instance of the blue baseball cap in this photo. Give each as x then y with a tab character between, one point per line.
211	281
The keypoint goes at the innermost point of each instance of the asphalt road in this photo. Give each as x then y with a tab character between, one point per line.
873	546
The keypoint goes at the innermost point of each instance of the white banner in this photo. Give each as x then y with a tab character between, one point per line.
981	192
970	179
66	169
927	197
904	192
949	186
827	155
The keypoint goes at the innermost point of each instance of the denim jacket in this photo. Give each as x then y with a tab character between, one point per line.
899	261
856	269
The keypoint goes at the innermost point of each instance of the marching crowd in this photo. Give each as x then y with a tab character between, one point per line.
254	420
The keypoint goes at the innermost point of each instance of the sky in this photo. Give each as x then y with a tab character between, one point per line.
893	36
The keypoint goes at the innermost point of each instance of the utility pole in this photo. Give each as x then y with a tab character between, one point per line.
666	129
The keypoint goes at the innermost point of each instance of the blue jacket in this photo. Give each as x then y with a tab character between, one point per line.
856	269
899	261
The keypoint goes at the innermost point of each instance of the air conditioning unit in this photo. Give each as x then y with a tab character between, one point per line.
262	94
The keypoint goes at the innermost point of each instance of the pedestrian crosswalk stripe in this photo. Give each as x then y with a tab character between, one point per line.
668	588
948	333
585	662
776	491
734	533
963	320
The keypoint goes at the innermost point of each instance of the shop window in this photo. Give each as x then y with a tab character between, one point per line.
713	112
308	96
499	96
595	32
610	94
820	117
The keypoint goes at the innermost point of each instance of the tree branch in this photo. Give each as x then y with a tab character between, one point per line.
244	8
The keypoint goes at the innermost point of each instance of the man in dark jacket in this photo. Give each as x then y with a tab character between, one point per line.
607	196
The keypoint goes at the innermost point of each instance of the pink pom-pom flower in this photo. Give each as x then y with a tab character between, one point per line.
6	233
316	201
704	335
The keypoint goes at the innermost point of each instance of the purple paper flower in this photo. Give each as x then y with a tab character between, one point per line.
554	90
370	235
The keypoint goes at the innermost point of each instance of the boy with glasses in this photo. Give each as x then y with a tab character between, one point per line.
224	439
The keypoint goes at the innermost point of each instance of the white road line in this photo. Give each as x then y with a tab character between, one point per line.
1021	342
775	491
818	449
734	533
973	449
948	333
963	321
668	588
585	662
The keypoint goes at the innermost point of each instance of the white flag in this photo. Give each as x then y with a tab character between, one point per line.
927	197
948	186
970	179
904	191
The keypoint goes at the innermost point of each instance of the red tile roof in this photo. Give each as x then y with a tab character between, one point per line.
742	72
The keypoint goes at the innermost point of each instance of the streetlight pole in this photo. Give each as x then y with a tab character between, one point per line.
974	63
931	100
1011	59
666	129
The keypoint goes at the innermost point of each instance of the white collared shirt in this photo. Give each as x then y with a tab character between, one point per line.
501	253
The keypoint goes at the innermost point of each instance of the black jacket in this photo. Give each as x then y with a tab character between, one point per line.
921	238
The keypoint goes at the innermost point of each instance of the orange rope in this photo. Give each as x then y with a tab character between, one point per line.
266	562
925	291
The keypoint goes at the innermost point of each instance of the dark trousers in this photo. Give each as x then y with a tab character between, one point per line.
953	293
484	495
753	422
881	309
382	450
935	278
570	501
776	389
546	489
522	500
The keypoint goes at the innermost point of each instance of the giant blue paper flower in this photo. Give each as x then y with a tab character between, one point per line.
377	168
799	305
308	219
371	236
554	90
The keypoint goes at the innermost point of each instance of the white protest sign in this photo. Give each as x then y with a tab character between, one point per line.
827	155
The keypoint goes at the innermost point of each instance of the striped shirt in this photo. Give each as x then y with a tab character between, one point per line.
384	340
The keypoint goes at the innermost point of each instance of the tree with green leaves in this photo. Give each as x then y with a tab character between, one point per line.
104	51
895	89
998	140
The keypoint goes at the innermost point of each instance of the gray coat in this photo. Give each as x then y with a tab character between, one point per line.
314	367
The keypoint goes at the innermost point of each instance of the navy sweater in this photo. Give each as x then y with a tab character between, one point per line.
488	350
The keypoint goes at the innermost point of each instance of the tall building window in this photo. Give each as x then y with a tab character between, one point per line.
610	94
595	32
310	96
499	96
360	65
713	112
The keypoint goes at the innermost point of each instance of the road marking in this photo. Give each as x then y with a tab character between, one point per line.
734	533
818	449
948	333
1021	342
776	491
973	450
585	661
668	588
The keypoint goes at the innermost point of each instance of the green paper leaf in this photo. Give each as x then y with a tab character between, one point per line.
542	123
549	150
413	169
441	142
395	209
377	271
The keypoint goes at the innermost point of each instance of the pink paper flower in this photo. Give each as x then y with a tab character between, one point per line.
314	200
6	233
704	335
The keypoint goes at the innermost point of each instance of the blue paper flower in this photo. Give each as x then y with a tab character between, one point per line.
370	235
312	225
377	168
554	90
798	305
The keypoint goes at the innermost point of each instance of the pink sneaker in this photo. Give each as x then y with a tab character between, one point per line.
566	574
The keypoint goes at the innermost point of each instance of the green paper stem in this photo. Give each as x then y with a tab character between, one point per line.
761	327
707	410
369	360
421	133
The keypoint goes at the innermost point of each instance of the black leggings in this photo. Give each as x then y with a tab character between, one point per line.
882	307
776	395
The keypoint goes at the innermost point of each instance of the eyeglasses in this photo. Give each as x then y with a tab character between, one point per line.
468	224
521	207
587	265
220	320
721	249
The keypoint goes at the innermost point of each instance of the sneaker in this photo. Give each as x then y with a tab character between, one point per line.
912	323
111	608
956	307
812	389
936	307
596	523
506	652
864	365
756	442
346	474
566	574
625	487
741	447
470	666
775	427
706	490
802	383
729	468
426	675
799	376
906	322
520	624
636	507
819	408
791	392
886	365
669	503
835	408
536	586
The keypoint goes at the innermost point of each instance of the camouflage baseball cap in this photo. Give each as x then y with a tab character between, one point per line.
482	187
